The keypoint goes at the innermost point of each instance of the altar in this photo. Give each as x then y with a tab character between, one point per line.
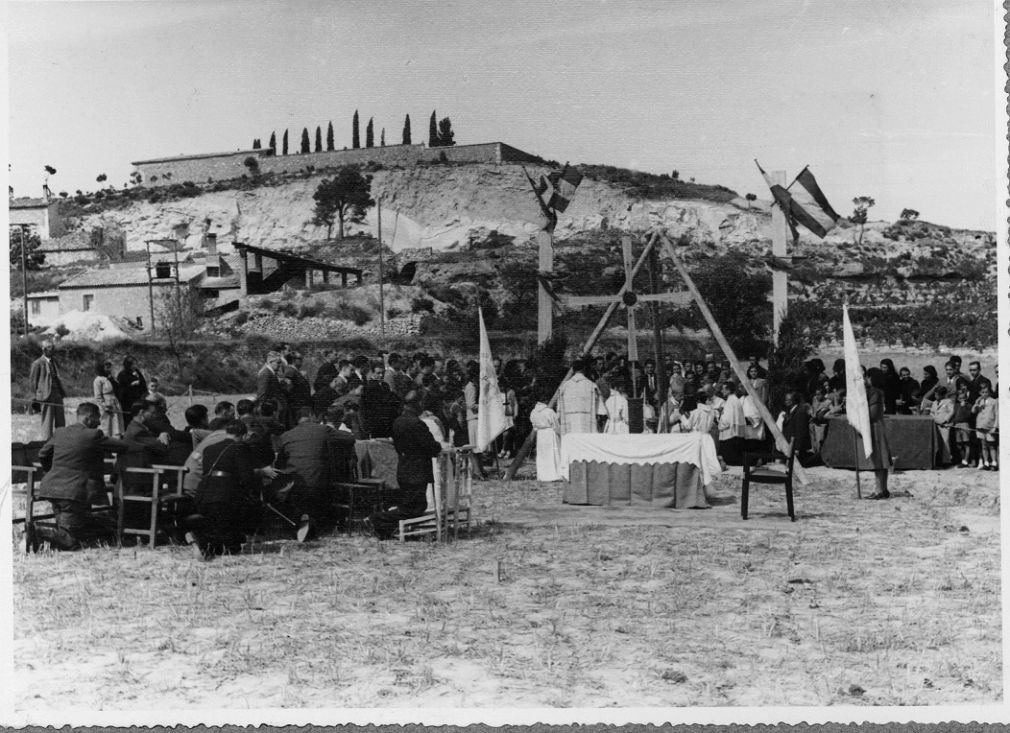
664	471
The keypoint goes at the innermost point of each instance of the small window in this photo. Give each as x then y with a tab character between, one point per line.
36	307
213	271
88	300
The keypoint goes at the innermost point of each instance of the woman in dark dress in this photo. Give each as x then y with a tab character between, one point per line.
837	378
891	386
880	461
929	379
131	384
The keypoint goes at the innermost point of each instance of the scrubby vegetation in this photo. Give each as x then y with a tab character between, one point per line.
653	186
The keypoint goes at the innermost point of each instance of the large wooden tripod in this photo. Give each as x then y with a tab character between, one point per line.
658	237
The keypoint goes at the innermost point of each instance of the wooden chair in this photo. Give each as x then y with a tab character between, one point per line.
757	470
451	499
29	476
432	522
364	495
162	488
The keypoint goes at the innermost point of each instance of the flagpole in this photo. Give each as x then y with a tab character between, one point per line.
855	454
780	278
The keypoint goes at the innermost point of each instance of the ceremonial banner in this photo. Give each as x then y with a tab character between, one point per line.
857	409
805	204
491	409
565	183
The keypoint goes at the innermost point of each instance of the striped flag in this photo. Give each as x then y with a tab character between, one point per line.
491	408
857	409
541	190
564	183
803	203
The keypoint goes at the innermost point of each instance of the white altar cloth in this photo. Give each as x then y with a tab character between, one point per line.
698	449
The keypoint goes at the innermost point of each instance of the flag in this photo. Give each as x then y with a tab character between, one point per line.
540	190
490	409
805	204
857	409
564	183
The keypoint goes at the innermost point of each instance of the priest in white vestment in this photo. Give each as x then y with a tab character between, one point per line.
545	421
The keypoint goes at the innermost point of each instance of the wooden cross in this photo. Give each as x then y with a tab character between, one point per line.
628	298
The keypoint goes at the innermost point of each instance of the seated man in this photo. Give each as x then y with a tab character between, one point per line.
228	497
317	457
145	443
259	439
75	461
415	447
196	423
224	413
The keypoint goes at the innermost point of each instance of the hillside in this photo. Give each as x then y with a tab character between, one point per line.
461	234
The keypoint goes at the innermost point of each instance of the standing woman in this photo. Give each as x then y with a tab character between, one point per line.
104	391
131	383
880	461
891	386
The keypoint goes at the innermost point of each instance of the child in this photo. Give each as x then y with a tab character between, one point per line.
962	425
617	409
819	405
986	411
703	418
154	395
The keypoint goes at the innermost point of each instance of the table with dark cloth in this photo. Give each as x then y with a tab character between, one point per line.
914	440
661	471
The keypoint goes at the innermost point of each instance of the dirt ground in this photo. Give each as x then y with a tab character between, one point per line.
859	602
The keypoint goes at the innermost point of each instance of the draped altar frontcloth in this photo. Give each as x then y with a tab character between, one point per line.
696	449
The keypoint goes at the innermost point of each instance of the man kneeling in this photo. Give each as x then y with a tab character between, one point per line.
75	459
228	495
415	447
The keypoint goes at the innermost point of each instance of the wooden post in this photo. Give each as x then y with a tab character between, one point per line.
780	278
657	330
586	347
382	302
24	278
150	286
780	440
855	456
545	305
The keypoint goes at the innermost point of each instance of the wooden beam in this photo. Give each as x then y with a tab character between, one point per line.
545	304
780	278
780	440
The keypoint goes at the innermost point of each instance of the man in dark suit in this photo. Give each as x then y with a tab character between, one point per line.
228	496
317	457
75	461
47	390
796	427
415	447
268	385
145	444
130	383
300	391
327	370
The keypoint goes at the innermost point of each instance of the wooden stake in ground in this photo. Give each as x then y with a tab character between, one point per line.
780	440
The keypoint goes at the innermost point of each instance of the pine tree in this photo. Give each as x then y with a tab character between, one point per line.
273	141
369	135
305	141
355	138
445	133
382	138
432	132
284	151
406	130
319	139
329	136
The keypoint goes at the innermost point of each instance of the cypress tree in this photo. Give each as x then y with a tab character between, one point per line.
273	141
369	135
432	131
382	138
355	138
305	141
285	143
319	139
406	130
329	136
256	143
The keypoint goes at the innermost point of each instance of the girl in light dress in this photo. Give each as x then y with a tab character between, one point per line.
104	390
986	411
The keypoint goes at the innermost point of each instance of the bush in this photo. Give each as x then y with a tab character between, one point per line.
310	308
240	318
421	304
356	314
392	313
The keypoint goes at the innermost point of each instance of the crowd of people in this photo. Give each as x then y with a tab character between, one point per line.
288	447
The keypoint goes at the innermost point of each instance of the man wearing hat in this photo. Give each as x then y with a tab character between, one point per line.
47	390
415	447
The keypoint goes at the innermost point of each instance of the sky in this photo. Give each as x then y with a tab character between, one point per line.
895	100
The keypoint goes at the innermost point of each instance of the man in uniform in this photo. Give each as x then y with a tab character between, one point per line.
75	459
47	390
228	496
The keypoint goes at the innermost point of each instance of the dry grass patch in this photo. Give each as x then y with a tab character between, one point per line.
857	603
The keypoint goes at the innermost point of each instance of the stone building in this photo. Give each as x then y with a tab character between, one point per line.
41	216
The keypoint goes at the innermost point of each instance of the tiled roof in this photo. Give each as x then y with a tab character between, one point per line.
27	203
118	276
45	294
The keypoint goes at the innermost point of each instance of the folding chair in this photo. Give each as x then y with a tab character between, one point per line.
756	470
161	489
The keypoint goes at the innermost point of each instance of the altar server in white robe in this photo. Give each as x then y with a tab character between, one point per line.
617	411
545	421
731	425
